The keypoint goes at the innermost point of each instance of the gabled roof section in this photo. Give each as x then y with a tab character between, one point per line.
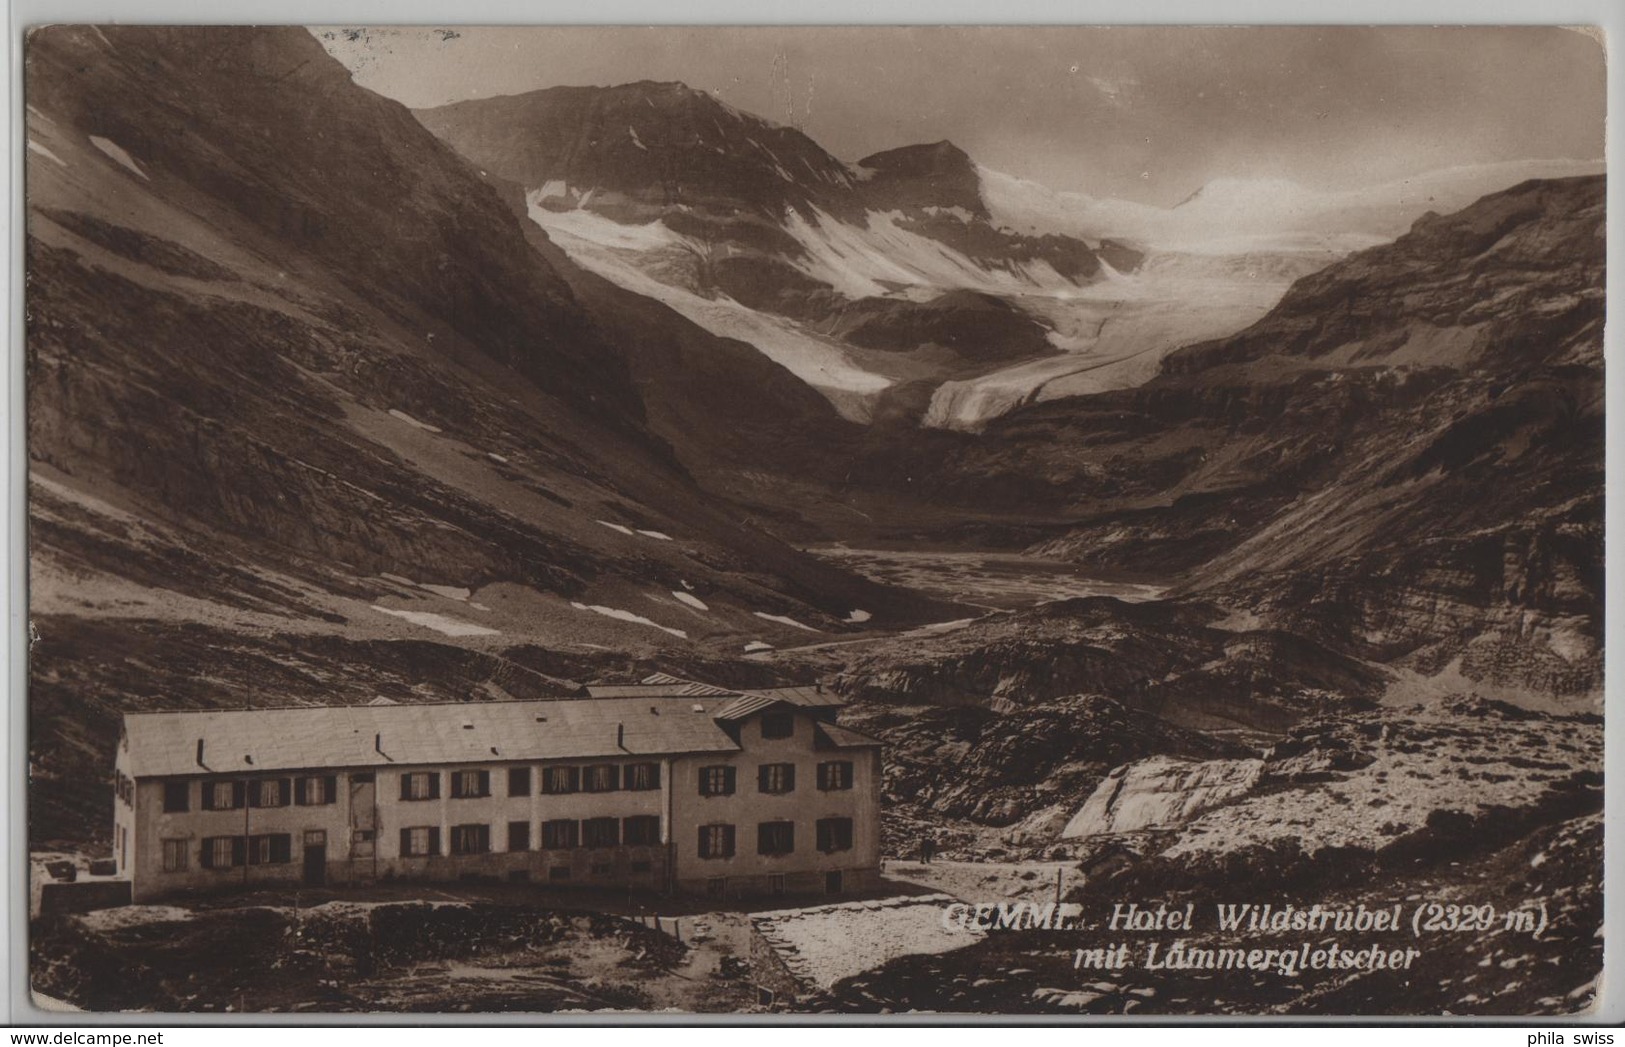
834	736
814	697
263	741
746	705
680	689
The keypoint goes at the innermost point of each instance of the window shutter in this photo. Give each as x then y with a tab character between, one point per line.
730	779
239	795
406	786
456	786
284	791
206	857
705	842
761	778
239	850
434	837
727	841
485	783
789	777
301	792
330	788
281	847
406	842
434	790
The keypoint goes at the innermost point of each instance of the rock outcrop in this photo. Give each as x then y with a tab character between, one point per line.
1161	793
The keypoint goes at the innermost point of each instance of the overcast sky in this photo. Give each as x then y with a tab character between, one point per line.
1144	113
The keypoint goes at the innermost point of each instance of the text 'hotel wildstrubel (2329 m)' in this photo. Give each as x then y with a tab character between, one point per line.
661	785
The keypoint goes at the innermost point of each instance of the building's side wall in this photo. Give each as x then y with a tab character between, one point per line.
804	869
642	866
196	825
128	850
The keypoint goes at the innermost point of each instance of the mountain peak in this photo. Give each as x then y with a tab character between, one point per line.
934	174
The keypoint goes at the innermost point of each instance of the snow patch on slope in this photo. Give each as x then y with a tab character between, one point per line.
35	147
438	622
118	155
859	262
400	415
784	620
627	616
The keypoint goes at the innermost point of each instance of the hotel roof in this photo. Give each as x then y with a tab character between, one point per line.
247	741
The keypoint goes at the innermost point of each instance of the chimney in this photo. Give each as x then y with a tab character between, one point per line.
378	741
200	762
620	736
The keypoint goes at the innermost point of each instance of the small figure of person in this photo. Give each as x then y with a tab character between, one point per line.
928	849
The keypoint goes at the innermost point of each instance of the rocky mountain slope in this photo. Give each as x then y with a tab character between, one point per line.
1402	460
296	370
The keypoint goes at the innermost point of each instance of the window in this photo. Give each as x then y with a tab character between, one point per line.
559	872
600	832
176	853
271	849
223	852
778	725
642	867
470	784
518	836
470	839
177	798
716	781
316	790
641	776
716	841
834	834
641	830
422	785
363	843
601	869
420	841
223	796
559	779
519	781
775	837
270	792
776	777
601	778
560	834
837	774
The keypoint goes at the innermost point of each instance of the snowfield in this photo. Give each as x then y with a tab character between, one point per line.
1216	263
618	252
439	622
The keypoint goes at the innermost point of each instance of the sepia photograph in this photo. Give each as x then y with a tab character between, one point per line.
1056	522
